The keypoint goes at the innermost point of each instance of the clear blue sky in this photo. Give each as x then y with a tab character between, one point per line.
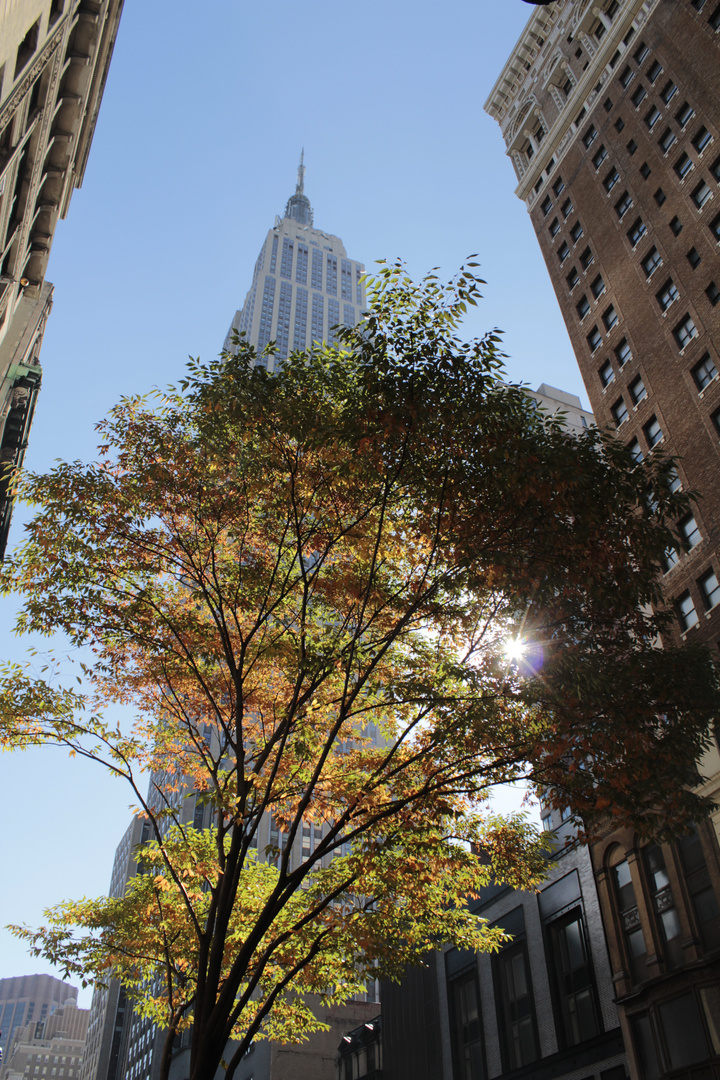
205	111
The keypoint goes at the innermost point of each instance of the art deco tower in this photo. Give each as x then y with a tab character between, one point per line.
303	284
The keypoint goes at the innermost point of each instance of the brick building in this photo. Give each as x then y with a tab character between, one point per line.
611	115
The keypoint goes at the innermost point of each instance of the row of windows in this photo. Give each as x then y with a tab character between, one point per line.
708	590
713	19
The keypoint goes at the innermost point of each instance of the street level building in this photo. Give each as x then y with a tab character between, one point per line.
303	285
54	58
29	997
49	1049
610	113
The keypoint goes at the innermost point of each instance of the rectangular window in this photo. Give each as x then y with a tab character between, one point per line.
666	140
619	124
710	589
346	280
587	258
558	186
567	208
676	226
713	294
652	117
594	339
693	258
466	1026
684	332
639	96
653	71
619	412
610	318
554	227
669	92
715	170
714	20
701	194
606	373
583	307
623	352
714	227
645	170
563	251
641	52
651	262
316	279
635	450
546	205
631	147
637	390
688	529
697	879
572	278
653	432
599	156
576	232
301	268
516	1010
684	114
589	137
659	196
598	287
626	77
611	180
663	903
574	983
27	47
623	204
331	282
701	139
636	232
667	295
286	260
670	559
683	165
704	372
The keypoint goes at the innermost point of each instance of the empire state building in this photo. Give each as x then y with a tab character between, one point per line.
303	285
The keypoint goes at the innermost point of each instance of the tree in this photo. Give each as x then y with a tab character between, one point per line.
303	585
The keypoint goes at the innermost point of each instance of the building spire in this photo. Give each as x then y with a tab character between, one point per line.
298	205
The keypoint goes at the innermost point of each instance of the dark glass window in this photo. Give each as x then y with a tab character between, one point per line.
701	139
583	307
714	227
652	117
701	194
611	179
654	70
639	96
589	137
516	1008
576	232
586	259
623	204
619	412
662	897
684	114
558	186
651	261
684	332
629	918
701	892
666	140
466	1027
710	589
653	432
599	156
606	373
636	231
676	226
683	165
594	339
660	196
554	227
623	352
610	318
574	984
626	76
669	92
546	205
704	372
567	208
572	278
598	287
645	170
667	295
637	390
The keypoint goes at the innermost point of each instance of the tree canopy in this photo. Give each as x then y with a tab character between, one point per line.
301	586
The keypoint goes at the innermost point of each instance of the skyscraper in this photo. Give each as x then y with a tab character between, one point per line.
30	997
303	284
611	116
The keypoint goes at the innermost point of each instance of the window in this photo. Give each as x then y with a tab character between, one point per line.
563	251
611	180
714	20
713	294
56	10
607	103
558	186
589	137
546	205
660	196
466	1027
623	204
623	352
704	372
594	339
573	977
669	92
639	96
701	139
667	295
635	450
606	373
583	307
629	916
572	278
645	170
684	332
587	258
653	71
567	87
651	262
689	531
683	165
715	170
27	48
698	4
676	226
710	589
598	287
619	124
652	117
701	194
716	420
516	1010
554	227
714	227
666	140
599	157
566	208
626	77
636	232
674	481
631	147
576	232
637	390
641	52
684	114
693	258
653	432
619	412
697	879
663	902
610	318
670	559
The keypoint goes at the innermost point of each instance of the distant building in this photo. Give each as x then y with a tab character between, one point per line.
29	997
360	1052
610	113
569	406
49	1049
303	284
54	58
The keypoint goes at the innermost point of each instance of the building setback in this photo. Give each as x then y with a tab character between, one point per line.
54	59
611	115
29	997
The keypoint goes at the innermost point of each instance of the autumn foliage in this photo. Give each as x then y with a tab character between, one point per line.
301	585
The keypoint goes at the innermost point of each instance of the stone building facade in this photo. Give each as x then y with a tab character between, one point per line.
48	1049
54	59
610	112
26	998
